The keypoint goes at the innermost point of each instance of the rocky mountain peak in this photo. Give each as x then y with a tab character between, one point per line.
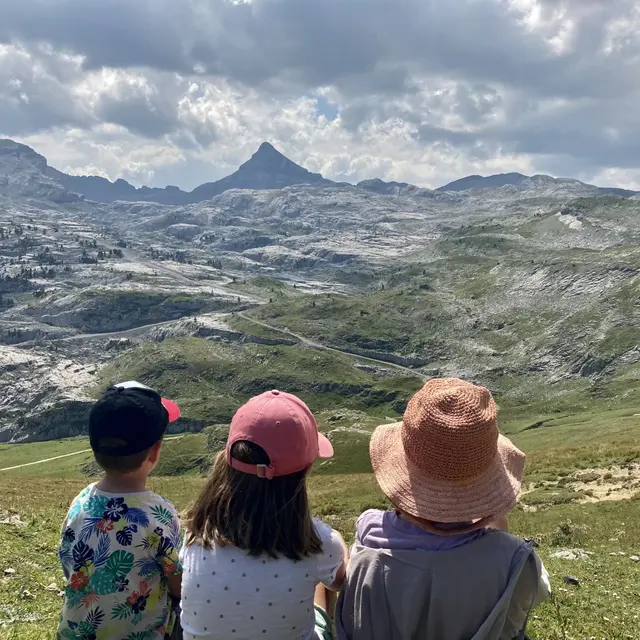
24	174
268	158
20	153
267	148
266	169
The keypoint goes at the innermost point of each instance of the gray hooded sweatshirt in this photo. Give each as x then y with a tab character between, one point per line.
483	590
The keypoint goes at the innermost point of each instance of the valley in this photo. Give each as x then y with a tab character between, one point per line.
528	285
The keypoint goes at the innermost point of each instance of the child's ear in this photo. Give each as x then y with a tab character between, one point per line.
154	452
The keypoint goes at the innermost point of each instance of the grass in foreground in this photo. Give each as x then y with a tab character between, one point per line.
606	604
563	452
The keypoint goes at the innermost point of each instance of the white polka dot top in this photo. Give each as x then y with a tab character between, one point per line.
227	594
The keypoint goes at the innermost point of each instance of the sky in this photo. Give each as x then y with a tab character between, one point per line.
424	91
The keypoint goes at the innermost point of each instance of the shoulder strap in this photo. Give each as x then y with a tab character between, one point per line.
493	627
536	577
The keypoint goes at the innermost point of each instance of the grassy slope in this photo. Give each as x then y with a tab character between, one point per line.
470	313
209	380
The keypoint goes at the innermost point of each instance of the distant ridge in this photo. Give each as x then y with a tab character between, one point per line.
395	188
25	173
499	180
266	169
482	182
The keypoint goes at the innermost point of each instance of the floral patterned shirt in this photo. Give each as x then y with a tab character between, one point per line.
116	553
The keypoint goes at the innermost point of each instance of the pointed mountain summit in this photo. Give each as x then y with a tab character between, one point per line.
266	169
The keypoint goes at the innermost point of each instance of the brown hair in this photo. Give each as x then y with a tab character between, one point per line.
122	464
261	516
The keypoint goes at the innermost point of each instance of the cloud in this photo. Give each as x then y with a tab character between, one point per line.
34	98
409	90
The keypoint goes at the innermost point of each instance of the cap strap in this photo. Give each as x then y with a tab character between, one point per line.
260	470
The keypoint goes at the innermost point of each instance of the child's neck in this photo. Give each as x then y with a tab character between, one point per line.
125	483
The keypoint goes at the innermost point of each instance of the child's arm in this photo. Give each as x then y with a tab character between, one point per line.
174	583
170	557
341	573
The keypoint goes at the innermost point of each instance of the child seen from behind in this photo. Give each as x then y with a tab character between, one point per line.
119	547
253	555
437	566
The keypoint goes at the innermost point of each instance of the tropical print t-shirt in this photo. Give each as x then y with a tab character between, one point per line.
116	552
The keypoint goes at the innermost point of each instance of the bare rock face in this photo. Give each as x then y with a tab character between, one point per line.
45	396
23	174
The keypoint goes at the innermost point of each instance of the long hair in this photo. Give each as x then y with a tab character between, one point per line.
261	516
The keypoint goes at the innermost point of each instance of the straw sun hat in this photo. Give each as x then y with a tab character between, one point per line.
446	462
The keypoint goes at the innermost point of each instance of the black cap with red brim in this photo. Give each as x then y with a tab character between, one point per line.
129	418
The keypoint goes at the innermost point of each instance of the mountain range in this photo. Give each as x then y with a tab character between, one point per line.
25	173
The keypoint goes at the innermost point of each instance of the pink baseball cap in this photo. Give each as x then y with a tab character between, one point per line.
285	428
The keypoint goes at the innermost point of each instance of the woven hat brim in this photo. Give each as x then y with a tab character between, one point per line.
493	493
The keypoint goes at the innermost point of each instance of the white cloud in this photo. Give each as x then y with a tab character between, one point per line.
156	91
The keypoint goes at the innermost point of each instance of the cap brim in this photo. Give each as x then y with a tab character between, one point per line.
172	409
325	448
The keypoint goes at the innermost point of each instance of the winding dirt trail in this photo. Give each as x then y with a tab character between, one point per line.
318	345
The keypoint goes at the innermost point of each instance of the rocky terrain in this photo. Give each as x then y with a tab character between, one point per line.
529	284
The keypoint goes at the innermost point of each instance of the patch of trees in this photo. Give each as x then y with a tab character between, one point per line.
16	284
46	257
29	273
85	258
6	303
181	257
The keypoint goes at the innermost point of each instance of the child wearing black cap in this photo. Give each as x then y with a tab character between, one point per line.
120	541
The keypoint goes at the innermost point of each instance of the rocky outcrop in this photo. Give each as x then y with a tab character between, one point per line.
385	356
109	311
395	188
45	395
64	419
23	174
